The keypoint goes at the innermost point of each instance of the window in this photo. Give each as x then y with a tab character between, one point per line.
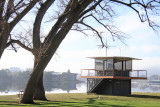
108	64
129	65
99	64
117	64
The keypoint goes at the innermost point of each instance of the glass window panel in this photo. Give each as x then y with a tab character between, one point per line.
118	64
99	64
108	64
129	65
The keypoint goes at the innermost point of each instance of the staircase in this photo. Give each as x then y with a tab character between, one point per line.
92	84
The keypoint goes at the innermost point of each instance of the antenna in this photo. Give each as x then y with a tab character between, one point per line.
106	46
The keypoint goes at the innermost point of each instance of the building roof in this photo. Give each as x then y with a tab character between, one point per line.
115	57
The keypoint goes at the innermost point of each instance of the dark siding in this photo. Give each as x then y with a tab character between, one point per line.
122	87
113	87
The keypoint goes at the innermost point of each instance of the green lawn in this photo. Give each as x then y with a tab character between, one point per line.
84	100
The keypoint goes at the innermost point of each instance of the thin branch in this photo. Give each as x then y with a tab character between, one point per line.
17	5
19	43
114	33
97	33
91	8
23	13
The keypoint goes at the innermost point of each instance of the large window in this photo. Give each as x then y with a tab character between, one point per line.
122	65
99	64
117	64
129	65
108	64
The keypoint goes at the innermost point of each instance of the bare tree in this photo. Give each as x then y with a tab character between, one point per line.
74	15
11	12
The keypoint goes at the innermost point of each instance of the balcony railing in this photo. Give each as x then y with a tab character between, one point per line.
133	74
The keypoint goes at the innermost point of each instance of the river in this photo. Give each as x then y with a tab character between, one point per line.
73	87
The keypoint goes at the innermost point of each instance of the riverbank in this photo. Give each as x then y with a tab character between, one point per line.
82	99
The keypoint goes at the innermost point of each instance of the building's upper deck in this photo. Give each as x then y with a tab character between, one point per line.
114	67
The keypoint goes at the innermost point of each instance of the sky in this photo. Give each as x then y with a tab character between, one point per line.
142	42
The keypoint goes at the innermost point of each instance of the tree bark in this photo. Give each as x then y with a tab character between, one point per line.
4	34
39	93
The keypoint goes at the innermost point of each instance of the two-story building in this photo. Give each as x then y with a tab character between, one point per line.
112	75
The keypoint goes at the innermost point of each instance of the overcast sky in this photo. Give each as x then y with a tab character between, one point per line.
142	43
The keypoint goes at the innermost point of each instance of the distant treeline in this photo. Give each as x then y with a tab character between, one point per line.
21	76
154	77
17	80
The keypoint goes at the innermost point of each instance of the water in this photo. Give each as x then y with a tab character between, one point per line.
73	87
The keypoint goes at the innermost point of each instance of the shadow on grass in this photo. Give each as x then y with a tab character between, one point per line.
91	103
145	96
91	100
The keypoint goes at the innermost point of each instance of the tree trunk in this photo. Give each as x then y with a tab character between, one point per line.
37	73
31	87
39	93
4	34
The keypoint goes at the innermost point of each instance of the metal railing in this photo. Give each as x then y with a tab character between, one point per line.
114	72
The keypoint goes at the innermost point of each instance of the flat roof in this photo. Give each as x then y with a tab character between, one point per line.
115	57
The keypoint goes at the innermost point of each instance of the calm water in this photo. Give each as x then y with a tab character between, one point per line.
72	87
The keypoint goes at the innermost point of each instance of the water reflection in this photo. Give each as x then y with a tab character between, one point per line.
54	86
7	88
66	82
145	87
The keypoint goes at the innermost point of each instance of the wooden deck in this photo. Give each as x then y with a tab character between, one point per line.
113	77
92	73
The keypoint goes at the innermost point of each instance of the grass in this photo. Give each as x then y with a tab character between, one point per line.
84	100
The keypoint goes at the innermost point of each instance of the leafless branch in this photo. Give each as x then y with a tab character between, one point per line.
94	31
146	6
112	31
90	8
11	42
23	13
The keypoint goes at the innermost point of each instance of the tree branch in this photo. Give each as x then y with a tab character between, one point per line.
19	43
23	13
91	8
36	28
10	9
113	32
17	5
58	24
2	2
94	30
145	7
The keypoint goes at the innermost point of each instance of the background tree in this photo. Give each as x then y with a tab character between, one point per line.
74	14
